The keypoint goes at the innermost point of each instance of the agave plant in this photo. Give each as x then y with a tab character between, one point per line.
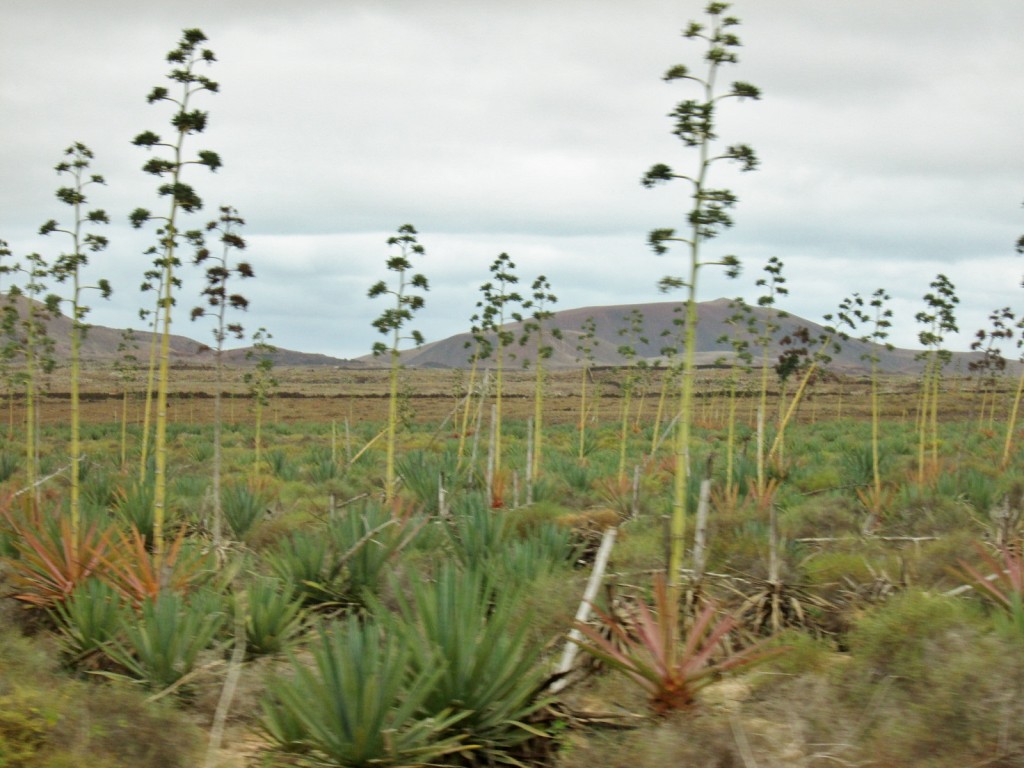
477	533
305	560
162	643
280	466
361	704
8	465
243	506
135	573
539	553
365	540
274	617
475	637
670	667
422	472
1005	585
50	561
87	620
134	503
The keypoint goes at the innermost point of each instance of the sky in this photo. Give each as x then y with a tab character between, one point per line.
889	134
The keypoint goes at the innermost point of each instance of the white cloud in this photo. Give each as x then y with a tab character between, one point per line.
888	134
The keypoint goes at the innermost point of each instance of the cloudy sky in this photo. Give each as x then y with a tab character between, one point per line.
890	135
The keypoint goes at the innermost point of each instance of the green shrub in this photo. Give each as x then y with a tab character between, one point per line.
897	640
9	463
26	720
846	568
279	464
804	653
936	686
52	721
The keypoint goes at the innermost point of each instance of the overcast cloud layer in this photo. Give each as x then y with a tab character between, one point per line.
889	133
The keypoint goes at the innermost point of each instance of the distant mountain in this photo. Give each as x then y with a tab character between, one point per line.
100	346
660	329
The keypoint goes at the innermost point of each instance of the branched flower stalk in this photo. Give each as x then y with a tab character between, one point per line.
481	347
707	217
261	383
668	386
875	315
221	267
152	281
126	371
536	326
991	365
813	353
1011	424
585	347
938	319
391	323
68	268
774	283
742	326
28	337
499	297
632	331
8	321
185	60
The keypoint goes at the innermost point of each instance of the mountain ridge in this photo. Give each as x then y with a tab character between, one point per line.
659	330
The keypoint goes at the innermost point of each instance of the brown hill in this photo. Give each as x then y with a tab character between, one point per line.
100	346
660	330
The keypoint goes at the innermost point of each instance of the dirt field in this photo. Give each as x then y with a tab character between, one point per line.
323	394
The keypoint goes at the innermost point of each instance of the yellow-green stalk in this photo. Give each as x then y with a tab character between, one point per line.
391	323
588	340
708	215
261	384
495	311
68	268
183	199
938	319
540	301
217	301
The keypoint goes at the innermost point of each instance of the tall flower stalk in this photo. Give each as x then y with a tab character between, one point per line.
185	59
875	315
392	323
536	326
68	268
220	267
496	309
708	215
938	319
